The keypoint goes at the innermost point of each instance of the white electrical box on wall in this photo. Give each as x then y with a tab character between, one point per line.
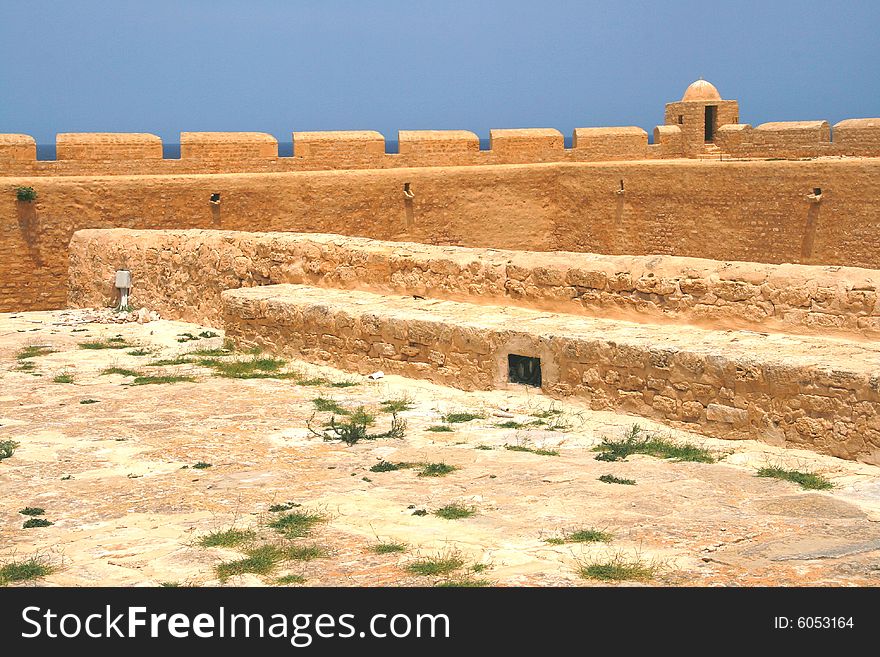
123	279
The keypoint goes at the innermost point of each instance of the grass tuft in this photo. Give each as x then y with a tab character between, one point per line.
259	561
442	564
290	579
201	465
121	370
582	536
30	523
306	552
326	405
638	442
611	479
464	582
388	547
88	401
296	524
33	351
455	511
396	405
619	568
440	428
112	343
227	538
436	469
23	571
63	378
168	378
7	448
532	450
388	466
454	418
32	511
806	480
287	506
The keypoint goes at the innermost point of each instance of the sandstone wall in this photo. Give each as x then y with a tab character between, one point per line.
748	211
182	274
730	387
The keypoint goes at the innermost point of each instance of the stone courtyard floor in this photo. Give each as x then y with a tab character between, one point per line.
112	465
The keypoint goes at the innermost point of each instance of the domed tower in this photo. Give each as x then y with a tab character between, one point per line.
699	114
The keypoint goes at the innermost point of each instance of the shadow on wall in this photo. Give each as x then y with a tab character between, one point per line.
27	225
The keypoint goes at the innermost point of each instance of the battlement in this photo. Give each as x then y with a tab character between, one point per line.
107	146
700	125
227	146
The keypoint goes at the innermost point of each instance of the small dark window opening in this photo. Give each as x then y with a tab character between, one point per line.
215	198
817	191
681	119
524	369
621	184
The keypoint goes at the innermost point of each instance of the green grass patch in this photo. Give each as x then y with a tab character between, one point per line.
485	448
389	466
140	351
166	378
201	465
169	585
464	582
211	353
112	343
88	401
510	424
442	564
436	469
396	405
30	523
531	450
355	426
296	524
388	547
806	480
168	362
7	448
582	536
619	568
455	418
286	506
440	428
63	378
209	334
33	351
638	442
227	538
455	511
611	479
341	384
32	511
306	552
259	561
325	405
255	368
121	370
290	579
24	571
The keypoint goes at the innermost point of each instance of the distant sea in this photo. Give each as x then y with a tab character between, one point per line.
285	149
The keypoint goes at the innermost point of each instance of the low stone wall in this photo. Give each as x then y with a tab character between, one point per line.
786	390
182	273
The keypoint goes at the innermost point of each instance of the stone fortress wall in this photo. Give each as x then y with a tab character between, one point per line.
724	195
781	353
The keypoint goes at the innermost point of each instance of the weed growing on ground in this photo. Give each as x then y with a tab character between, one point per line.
638	442
611	479
806	480
455	511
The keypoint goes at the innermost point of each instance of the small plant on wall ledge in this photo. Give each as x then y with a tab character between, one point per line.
26	194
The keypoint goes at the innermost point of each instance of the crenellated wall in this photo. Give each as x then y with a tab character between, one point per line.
254	152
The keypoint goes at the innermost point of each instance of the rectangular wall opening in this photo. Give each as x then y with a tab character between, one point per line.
524	370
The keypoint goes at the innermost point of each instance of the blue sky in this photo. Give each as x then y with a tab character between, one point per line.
166	66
